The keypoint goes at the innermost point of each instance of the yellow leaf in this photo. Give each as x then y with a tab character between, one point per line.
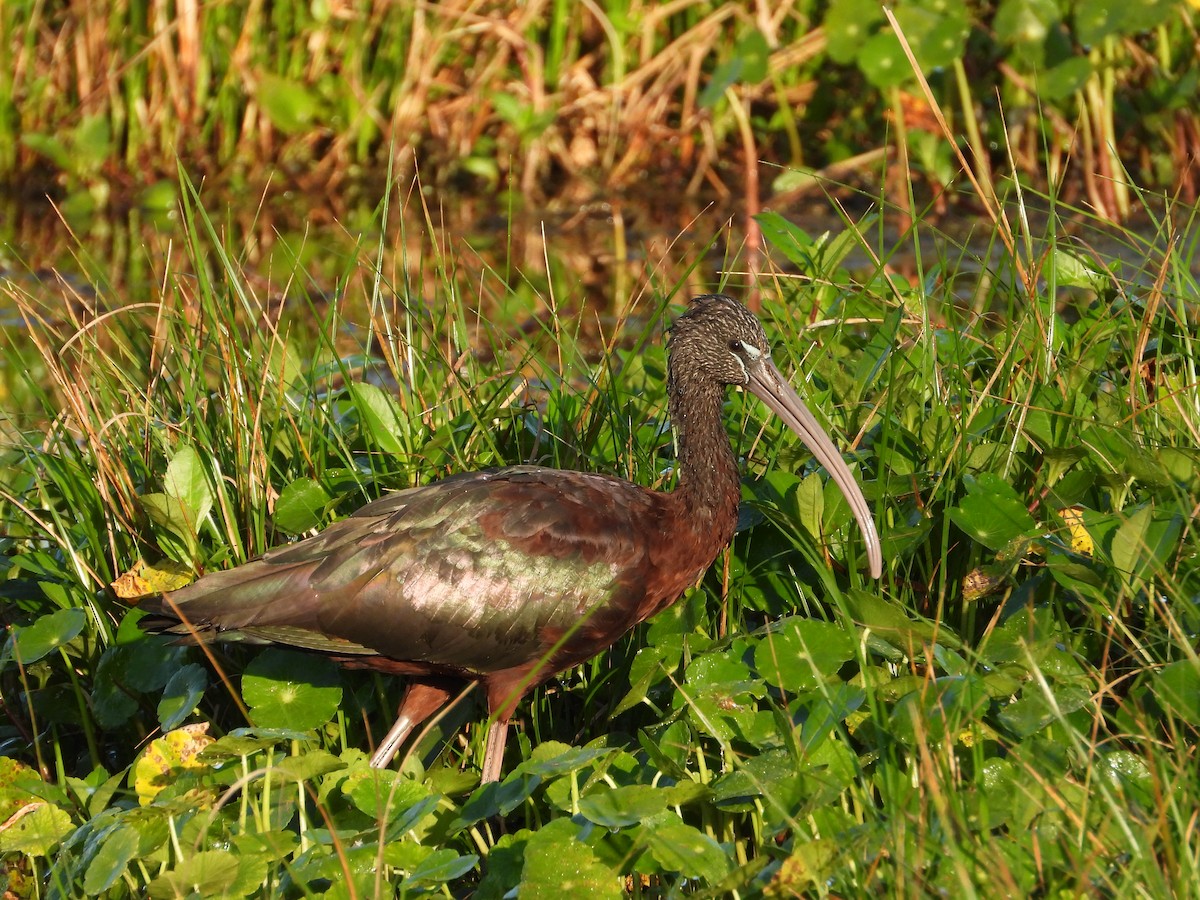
166	757
1081	541
145	579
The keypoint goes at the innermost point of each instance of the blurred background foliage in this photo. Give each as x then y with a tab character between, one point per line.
579	100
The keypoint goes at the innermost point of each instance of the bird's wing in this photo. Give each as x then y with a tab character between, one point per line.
477	573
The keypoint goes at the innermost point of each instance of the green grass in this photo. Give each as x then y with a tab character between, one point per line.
1012	711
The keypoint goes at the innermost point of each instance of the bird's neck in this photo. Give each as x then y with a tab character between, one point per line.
709	487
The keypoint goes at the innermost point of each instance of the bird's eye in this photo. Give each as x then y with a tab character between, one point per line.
735	346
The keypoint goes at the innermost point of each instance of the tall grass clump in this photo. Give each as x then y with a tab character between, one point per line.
1013	711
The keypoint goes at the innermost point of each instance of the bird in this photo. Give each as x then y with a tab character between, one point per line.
506	577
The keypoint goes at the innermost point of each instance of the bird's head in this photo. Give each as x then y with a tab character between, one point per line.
719	342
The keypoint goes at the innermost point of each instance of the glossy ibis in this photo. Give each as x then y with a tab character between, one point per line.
508	577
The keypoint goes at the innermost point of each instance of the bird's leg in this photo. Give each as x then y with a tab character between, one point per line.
421	700
504	691
493	754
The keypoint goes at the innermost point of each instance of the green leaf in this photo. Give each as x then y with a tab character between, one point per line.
1033	711
1072	270
937	37
883	61
289	105
47	634
938	711
36	832
146	664
810	504
1100	19
52	147
91	145
748	65
754	51
992	514
439	867
824	711
1129	773
278	700
1060	82
678	847
1082	578
119	848
181	694
802	653
497	799
552	758
558	864
812	863
1129	542
383	794
722	696
1176	687
772	775
1024	23
903	629
207	873
622	806
301	506
379	417
788	238
161	196
187	482
848	25
111	704
307	766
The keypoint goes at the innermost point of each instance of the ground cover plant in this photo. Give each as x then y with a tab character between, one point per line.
1014	710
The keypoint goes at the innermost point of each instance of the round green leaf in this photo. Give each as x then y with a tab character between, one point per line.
1058	83
803	653
558	864
992	514
208	873
48	633
1128	772
36	833
678	847
848	24
383	794
1025	22
285	689
883	61
939	710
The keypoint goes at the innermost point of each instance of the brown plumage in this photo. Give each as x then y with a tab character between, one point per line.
508	577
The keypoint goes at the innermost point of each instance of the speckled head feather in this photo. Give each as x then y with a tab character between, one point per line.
717	336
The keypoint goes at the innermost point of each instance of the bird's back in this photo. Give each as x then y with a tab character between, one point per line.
474	574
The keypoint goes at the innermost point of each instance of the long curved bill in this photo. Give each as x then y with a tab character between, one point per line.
769	385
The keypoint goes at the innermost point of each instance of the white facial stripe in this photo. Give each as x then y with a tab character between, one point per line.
751	351
745	374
